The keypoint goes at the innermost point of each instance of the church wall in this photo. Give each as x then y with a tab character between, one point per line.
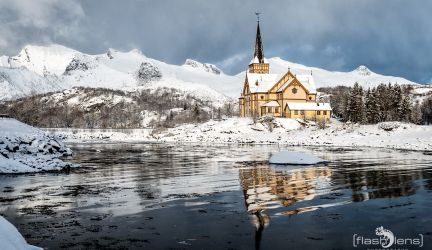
309	114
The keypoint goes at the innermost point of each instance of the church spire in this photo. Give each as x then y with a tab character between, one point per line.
259	51
258	64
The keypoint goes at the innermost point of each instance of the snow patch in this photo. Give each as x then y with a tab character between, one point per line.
11	239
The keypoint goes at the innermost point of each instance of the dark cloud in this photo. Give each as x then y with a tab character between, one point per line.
391	37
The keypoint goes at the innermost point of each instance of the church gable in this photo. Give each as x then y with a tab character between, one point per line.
294	90
282	81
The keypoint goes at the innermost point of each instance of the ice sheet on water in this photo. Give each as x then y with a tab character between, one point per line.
295	158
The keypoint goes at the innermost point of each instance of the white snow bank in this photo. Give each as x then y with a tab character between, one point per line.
25	149
11	239
294	158
267	131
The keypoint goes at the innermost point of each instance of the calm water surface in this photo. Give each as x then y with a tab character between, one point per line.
177	196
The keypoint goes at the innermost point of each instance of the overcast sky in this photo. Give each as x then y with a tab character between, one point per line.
391	37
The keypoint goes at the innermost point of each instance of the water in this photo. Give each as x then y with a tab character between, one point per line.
176	196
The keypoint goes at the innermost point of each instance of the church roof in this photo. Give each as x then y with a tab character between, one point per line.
308	82
285	84
308	106
255	60
265	81
271	104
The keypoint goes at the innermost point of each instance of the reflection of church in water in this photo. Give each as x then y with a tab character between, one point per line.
266	188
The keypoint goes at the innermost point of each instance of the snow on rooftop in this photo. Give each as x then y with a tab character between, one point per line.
261	82
308	82
254	60
285	84
308	106
271	104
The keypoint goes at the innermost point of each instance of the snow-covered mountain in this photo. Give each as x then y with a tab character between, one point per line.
324	78
41	69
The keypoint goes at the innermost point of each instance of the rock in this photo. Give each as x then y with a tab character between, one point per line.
147	73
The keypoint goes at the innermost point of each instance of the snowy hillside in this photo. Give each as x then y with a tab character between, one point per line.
40	69
324	78
20	82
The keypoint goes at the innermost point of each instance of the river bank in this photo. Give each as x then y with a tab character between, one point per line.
392	135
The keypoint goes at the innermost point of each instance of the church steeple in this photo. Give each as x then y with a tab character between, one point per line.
259	51
258	64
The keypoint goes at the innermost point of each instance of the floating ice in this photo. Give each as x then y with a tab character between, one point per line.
294	158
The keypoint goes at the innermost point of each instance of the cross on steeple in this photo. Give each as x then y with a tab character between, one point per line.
257	14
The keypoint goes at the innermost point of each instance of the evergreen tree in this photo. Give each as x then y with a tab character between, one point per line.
395	102
219	114
381	97
416	116
196	113
356	108
405	109
426	109
372	108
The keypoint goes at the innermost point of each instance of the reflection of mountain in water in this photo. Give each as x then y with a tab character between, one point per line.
265	188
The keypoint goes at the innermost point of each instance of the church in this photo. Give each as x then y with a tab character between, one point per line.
279	95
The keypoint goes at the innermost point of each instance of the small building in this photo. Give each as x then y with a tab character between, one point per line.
279	95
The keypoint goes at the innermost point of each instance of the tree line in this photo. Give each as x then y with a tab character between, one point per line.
386	102
107	108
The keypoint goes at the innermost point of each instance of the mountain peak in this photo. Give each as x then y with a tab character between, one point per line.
51	59
205	66
363	70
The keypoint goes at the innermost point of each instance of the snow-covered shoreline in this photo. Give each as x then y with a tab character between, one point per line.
291	132
11	239
25	149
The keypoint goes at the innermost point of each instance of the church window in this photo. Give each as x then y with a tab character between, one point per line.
276	110
294	90
262	97
325	112
310	97
318	112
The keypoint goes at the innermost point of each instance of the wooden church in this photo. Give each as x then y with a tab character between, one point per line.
279	95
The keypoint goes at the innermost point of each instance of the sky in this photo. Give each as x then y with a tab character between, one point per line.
391	37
